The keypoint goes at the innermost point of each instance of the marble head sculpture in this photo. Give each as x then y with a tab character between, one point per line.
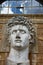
21	34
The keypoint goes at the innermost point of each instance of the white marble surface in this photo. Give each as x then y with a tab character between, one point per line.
19	39
10	62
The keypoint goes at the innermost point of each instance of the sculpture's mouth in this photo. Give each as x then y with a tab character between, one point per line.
18	41
18	45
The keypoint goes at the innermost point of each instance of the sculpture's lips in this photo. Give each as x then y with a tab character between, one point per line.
18	41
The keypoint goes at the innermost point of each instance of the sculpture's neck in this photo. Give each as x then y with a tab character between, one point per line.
18	56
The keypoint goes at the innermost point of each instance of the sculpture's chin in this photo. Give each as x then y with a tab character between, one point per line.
18	47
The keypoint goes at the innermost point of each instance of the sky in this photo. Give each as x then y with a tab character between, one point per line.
26	10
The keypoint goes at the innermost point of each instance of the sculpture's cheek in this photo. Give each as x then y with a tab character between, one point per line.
25	40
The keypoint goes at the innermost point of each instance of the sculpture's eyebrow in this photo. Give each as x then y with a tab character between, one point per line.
19	30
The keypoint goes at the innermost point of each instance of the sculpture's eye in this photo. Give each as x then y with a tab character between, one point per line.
14	31
22	31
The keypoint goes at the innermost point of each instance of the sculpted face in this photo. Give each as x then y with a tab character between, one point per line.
19	37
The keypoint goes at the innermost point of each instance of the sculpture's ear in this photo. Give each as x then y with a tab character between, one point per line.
29	36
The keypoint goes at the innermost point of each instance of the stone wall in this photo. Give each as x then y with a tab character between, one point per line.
36	56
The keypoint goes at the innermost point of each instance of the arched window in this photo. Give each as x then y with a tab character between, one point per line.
21	7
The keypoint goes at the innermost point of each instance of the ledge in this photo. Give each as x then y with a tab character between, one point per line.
27	15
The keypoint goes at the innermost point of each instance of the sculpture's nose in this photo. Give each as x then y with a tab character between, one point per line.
17	35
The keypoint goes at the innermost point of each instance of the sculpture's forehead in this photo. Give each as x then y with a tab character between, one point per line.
19	27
